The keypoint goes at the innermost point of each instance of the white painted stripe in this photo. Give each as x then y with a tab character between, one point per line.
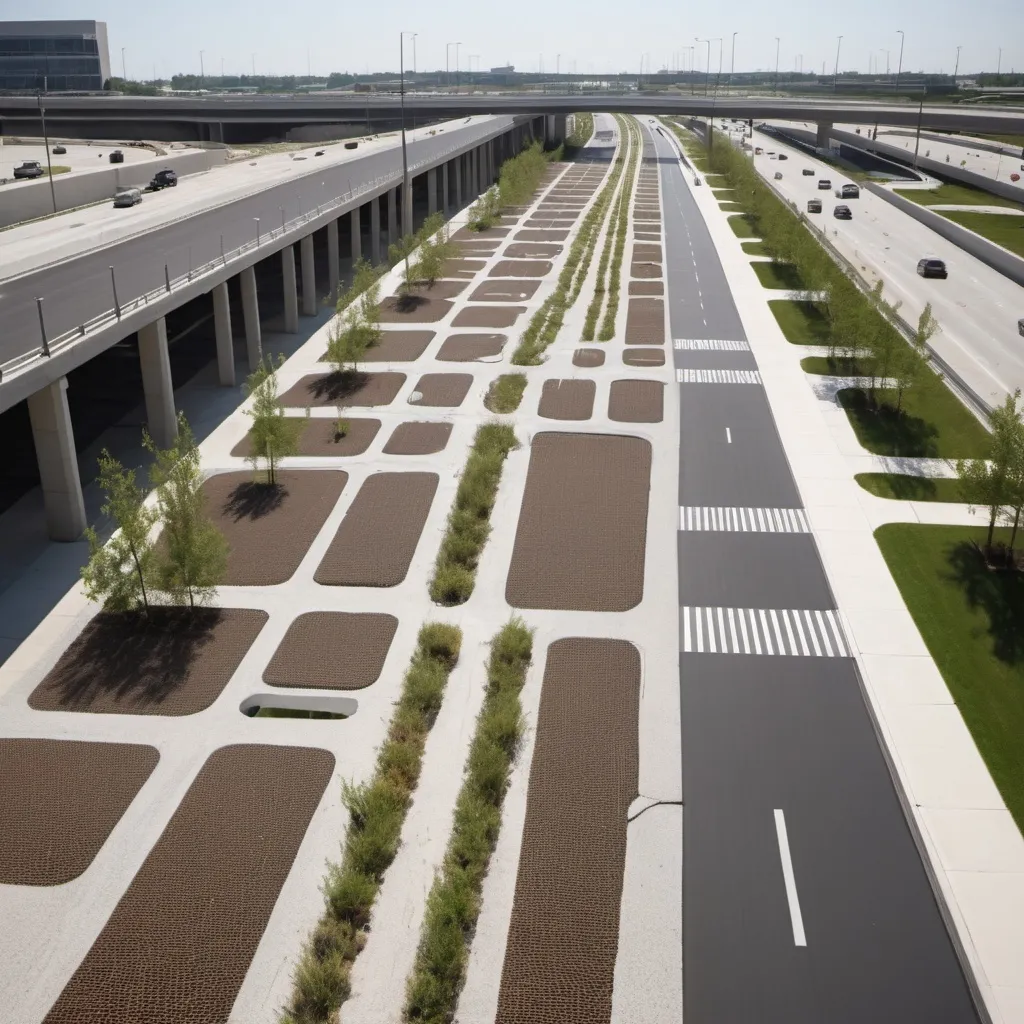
686	629
714	376
728	436
800	633
721	630
699	631
795	917
732	630
789	632
753	630
765	633
813	635
824	633
710	345
742	616
739	520
710	619
838	633
778	632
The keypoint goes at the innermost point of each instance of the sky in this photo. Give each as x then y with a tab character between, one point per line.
598	35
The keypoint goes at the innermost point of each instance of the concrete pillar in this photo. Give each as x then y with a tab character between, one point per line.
458	182
375	230
58	463
333	258
407	210
559	121
474	171
446	201
161	418
222	329
824	134
251	317
308	277
392	215
431	191
291	295
357	234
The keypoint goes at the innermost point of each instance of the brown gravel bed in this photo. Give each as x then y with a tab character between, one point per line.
567	400
461	269
645	271
396	347
643	356
414	309
332	651
533	235
442	389
525	250
349	389
563	934
477	247
647	253
439	290
467	348
520	268
269	529
588	357
466	234
636	401
498	317
646	288
645	322
582	525
60	800
647	236
175	663
378	536
509	289
179	943
418	439
319	438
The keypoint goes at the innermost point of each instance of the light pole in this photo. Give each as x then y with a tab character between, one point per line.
920	113
903	39
999	63
692	69
202	70
835	79
457	45
406	214
707	77
558	66
414	35
46	144
718	74
956	66
447	65
775	87
253	56
732	59
124	73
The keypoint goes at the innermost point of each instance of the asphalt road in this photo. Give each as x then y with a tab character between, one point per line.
804	898
79	287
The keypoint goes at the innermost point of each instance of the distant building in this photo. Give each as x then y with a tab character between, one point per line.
60	56
507	70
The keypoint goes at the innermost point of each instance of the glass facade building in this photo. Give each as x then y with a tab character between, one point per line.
55	56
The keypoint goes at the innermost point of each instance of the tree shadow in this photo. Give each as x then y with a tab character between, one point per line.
885	431
335	387
254	500
911	488
996	591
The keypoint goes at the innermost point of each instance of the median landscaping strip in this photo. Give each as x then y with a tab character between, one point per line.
911	488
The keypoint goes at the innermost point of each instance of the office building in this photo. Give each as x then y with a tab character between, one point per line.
58	56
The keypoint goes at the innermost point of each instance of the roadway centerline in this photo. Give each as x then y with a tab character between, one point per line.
799	936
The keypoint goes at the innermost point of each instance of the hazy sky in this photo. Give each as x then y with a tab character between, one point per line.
598	35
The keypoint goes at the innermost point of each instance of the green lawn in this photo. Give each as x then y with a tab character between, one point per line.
754	249
910	488
779	275
838	367
723	193
955	194
802	322
1011	140
716	180
1006	230
742	225
931	424
729	207
972	619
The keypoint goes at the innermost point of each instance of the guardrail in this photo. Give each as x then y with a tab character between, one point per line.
60	343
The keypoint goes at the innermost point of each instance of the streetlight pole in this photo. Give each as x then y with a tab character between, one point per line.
414	35
903	39
999	63
775	87
202	70
405	159
835	79
124	73
46	144
956	66
707	76
692	70
457	45
920	113
732	59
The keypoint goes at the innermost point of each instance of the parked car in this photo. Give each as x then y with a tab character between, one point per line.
842	213
824	184
848	192
128	197
782	156
351	145
116	157
928	267
778	175
167	178
696	180
758	151
814	206
319	152
1020	327
808	172
59	150
29	169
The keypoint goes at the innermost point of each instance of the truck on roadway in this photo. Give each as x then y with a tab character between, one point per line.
167	178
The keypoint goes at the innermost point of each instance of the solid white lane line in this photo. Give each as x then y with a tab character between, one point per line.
795	917
728	436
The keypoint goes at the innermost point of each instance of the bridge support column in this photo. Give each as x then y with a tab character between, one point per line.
474	170
446	201
251	317
431	191
333	259
157	386
308	276
824	134
375	230
392	215
291	295
407	210
222	330
357	234
58	463
457	161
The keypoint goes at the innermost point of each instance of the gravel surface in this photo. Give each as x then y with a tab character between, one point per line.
636	401
447	390
418	439
645	321
466	348
499	317
588	357
567	400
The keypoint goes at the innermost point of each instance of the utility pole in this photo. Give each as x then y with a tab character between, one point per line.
903	39
707	77
46	144
202	70
775	87
956	67
999	63
835	80
124	73
732	60
405	159
457	45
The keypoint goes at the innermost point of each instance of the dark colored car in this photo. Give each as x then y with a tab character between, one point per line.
842	213
824	184
932	268
814	206
351	145
117	157
848	192
319	152
782	156
59	150
167	178
808	172
29	169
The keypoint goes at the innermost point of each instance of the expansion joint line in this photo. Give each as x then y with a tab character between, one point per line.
657	803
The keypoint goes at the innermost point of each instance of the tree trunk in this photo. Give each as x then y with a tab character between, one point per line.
1013	532
991	527
142	578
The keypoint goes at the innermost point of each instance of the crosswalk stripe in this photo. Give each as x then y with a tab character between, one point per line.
807	633
695	518
710	345
686	376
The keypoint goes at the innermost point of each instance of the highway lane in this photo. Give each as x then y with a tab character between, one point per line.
79	288
804	898
976	307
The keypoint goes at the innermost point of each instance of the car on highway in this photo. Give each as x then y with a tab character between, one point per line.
116	157
814	206
842	213
929	267
808	172
1020	327
778	175
782	156
824	184
758	151
128	197
29	169
59	150
848	192
319	152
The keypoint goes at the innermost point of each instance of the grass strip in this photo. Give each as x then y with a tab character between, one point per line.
779	275
803	323
902	487
518	179
582	130
453	905
469	522
505	392
972	620
1005	229
742	225
955	194
377	812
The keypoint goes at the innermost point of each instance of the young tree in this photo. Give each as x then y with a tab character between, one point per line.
117	572
192	555
274	435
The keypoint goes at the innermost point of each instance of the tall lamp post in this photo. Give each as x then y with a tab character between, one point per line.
457	45
447	66
414	35
956	66
835	78
46	144
732	59
124	73
707	77
202	70
899	68
406	214
775	87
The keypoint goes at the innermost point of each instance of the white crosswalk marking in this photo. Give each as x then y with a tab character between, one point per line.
710	345
777	631
718	377
743	520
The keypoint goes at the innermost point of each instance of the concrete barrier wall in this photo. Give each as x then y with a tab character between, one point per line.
30	199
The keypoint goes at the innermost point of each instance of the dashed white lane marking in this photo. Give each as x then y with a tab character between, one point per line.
787	631
710	345
726	519
789	879
728	436
718	377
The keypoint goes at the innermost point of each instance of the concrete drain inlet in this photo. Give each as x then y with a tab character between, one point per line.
280	705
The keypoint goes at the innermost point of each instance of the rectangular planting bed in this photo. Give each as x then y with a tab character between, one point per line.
447	390
468	348
504	291
636	401
495	317
582	531
567	399
320	437
350	389
645	321
418	439
396	347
